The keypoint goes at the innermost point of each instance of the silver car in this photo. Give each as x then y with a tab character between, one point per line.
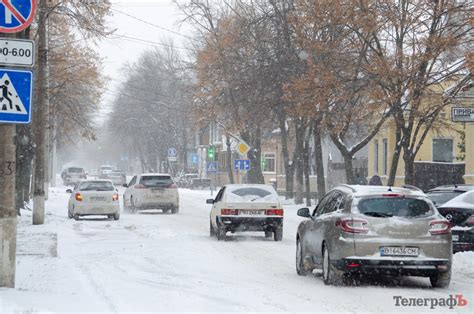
151	191
360	230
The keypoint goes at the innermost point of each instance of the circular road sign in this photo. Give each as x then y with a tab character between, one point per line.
16	15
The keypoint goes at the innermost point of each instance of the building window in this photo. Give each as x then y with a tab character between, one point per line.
385	156
443	150
376	157
268	162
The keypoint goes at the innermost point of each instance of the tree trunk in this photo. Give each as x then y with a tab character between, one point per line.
289	169
409	160
255	174
318	152
350	178
306	167
298	161
230	170
395	158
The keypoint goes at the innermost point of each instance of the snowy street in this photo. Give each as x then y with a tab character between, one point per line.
156	262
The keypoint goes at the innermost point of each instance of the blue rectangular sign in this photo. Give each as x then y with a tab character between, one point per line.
242	164
16	93
212	167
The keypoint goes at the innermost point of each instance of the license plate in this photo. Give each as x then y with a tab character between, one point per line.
158	191
97	198
252	212
398	251
455	237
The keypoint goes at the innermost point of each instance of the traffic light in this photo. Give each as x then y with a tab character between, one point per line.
211	154
264	163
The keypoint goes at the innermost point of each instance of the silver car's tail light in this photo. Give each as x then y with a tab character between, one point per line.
274	212
78	197
352	225
438	227
115	197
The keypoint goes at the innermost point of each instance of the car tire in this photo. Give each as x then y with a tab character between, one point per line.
300	268
175	210
69	214
116	216
212	232
441	280
268	234
329	275
133	209
76	217
278	234
220	232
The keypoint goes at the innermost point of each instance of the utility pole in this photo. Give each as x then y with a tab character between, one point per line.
8	232
40	119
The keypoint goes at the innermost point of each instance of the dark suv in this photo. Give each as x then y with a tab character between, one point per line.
445	193
72	175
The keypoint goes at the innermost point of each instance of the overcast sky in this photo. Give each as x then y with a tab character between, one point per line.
133	36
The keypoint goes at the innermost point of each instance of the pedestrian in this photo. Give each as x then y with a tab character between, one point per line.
375	180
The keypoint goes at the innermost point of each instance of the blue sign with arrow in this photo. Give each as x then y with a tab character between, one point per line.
242	164
16	93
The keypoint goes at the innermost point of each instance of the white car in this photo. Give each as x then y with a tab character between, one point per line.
246	207
103	170
94	197
151	191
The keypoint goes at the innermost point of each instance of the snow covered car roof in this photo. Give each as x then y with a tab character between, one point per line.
465	200
364	190
155	174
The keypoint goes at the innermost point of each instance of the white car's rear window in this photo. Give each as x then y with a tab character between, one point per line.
251	194
156	181
96	186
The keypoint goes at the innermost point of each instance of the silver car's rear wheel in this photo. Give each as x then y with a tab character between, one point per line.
329	275
300	268
441	280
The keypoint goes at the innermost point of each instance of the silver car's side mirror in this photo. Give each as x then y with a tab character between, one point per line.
210	201
69	191
304	212
125	185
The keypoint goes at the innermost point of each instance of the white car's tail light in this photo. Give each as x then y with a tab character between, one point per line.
115	197
352	225
438	227
274	212
78	197
172	186
227	212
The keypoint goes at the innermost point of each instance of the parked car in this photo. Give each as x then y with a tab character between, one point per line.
94	197
245	207
445	193
364	230
197	184
72	175
104	170
151	191
117	177
460	213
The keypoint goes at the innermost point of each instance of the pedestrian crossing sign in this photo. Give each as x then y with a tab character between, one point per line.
16	91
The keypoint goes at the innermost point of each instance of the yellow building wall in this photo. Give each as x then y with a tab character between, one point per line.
469	176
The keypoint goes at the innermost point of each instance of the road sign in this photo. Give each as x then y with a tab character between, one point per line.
212	166
172	152
17	52
16	15
242	164
195	158
16	89
172	158
242	148
462	114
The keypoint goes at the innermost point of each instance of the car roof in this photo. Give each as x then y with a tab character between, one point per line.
155	174
367	190
453	187
96	180
461	201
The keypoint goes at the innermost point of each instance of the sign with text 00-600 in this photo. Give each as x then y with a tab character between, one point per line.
17	52
462	114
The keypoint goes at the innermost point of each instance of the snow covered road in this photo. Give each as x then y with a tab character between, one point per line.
156	262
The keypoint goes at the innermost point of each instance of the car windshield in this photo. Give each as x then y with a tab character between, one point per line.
251	194
76	170
441	197
156	181
96	186
394	206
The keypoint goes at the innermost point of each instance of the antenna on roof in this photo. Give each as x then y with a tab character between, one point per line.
390	189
